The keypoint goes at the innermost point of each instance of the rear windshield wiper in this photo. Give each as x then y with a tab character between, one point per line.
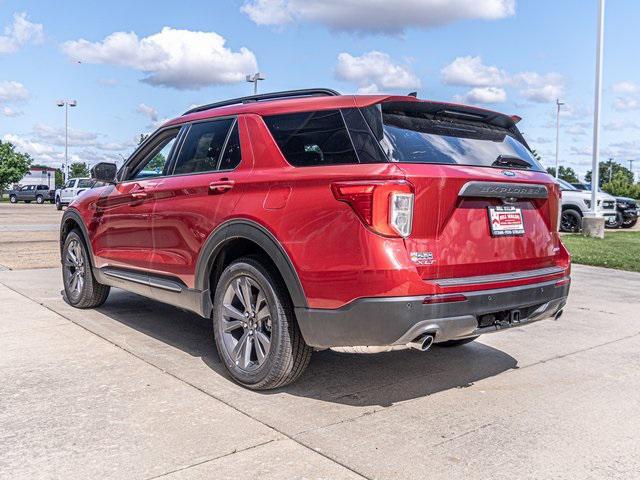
510	161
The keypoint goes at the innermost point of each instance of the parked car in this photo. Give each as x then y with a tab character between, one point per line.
575	203
74	187
626	209
31	193
308	220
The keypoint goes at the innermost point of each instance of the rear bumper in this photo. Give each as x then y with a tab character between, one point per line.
398	320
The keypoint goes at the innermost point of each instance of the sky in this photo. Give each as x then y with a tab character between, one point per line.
132	65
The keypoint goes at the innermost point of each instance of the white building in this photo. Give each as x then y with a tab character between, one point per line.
40	176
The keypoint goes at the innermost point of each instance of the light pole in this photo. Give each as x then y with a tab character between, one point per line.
66	104
633	177
592	222
558	105
254	79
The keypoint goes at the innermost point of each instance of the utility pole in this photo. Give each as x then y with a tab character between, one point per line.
254	79
633	177
610	168
592	223
66	104
558	105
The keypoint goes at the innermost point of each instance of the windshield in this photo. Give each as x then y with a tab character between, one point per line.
411	138
566	185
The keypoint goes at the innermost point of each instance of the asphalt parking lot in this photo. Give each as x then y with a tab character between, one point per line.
134	389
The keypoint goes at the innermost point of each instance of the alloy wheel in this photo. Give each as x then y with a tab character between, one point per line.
74	269
246	323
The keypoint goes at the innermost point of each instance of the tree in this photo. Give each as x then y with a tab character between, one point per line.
620	186
13	165
59	178
565	173
78	169
608	170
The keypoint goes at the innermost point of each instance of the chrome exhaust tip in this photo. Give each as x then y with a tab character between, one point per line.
422	343
558	314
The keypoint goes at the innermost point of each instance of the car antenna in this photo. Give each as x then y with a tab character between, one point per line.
413	94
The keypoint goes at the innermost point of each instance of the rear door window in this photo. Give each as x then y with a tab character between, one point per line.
312	138
85	183
203	147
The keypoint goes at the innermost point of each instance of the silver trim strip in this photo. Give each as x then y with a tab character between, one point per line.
144	279
503	190
499	277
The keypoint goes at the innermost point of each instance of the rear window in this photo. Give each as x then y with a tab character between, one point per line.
312	138
409	138
85	183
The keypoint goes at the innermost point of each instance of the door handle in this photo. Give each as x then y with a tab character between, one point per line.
220	186
139	195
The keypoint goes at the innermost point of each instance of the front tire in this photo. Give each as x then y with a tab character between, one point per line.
58	204
80	286
571	221
255	329
630	223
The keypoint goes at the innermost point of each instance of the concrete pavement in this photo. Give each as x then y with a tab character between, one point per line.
135	390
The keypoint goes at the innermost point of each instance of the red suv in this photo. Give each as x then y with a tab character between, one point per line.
306	219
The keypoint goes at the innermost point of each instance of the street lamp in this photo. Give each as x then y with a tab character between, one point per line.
558	105
66	104
592	222
254	79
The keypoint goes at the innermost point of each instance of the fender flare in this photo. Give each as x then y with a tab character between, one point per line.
258	234
71	214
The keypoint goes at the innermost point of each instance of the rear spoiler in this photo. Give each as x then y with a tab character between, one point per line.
454	110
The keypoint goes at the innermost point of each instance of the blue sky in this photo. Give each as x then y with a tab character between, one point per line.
511	56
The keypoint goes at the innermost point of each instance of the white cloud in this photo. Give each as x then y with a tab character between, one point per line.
150	112
55	135
181	59
10	112
19	33
626	103
11	91
540	88
626	87
471	72
107	82
375	15
375	71
484	95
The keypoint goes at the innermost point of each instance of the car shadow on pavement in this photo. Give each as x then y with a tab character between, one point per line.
350	379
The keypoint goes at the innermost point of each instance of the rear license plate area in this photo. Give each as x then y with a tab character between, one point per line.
505	220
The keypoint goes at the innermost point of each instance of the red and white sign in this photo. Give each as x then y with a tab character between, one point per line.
505	220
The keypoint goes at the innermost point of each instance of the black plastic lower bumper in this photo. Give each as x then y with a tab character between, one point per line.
398	320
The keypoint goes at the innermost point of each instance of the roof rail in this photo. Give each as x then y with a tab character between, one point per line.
305	92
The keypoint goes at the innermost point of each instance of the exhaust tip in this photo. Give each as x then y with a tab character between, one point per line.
422	343
558	314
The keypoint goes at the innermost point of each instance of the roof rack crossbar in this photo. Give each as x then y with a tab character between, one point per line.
306	92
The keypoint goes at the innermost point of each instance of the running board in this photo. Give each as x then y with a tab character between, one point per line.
144	279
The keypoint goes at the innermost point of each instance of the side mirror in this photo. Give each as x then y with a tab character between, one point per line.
104	172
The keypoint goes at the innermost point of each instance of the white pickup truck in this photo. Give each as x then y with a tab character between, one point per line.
73	188
575	203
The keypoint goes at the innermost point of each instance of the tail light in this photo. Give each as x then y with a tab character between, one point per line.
386	207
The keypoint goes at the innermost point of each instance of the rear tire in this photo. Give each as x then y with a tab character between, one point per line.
571	221
39	199
80	286
13	199
255	328
58	204
455	343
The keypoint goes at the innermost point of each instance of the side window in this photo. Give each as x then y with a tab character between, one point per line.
231	156
85	183
312	138
70	184
156	159
202	147
42	187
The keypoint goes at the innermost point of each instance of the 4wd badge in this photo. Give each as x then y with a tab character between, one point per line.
422	258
